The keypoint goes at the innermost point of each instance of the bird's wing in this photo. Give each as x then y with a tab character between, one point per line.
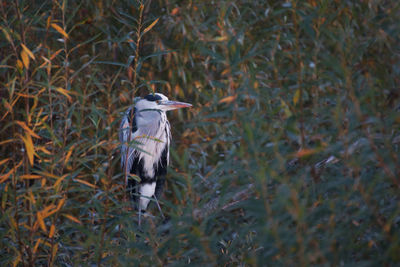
163	163
168	133
124	128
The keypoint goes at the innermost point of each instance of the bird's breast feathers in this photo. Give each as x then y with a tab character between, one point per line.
151	148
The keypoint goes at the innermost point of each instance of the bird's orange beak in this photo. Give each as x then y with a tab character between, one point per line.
171	105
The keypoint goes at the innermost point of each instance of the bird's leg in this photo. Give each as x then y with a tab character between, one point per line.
158	206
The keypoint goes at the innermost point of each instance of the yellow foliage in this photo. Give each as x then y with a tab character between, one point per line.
59	29
25	59
4	177
41	221
85	183
228	99
296	96
148	28
69	153
65	92
72	218
52	230
29	52
37	245
32	197
4	161
27	129
19	64
30	150
305	152
30	176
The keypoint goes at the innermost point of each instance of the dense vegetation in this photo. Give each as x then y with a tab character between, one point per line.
290	155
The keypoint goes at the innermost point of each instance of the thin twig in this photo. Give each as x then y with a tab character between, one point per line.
135	63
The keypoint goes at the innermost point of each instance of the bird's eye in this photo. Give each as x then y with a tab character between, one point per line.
158	101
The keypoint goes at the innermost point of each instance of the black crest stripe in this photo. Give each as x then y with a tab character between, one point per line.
152	97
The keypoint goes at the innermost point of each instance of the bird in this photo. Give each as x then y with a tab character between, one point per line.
145	137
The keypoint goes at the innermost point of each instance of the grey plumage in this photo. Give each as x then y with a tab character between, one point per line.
148	154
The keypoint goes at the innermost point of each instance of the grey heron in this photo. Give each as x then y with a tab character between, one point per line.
147	129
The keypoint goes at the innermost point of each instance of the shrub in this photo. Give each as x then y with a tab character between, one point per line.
289	156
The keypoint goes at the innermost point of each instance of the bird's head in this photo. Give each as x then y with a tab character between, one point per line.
158	102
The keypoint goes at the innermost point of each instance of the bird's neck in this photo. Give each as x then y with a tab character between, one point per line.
152	122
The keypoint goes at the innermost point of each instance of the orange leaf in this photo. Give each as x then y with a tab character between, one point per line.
220	38
30	150
32	197
59	181
148	28
4	177
29	52
55	247
85	183
19	64
6	141
25	95
4	161
65	92
46	62
69	153
52	230
48	22
44	150
55	54
226	71
37	245
27	129
47	211
25	59
305	152
49	175
175	11
59	29
30	176
72	218
60	204
228	99
296	96
41	221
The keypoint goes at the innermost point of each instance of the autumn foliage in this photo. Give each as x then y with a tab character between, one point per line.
290	155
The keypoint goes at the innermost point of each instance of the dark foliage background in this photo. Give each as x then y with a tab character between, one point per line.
290	155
